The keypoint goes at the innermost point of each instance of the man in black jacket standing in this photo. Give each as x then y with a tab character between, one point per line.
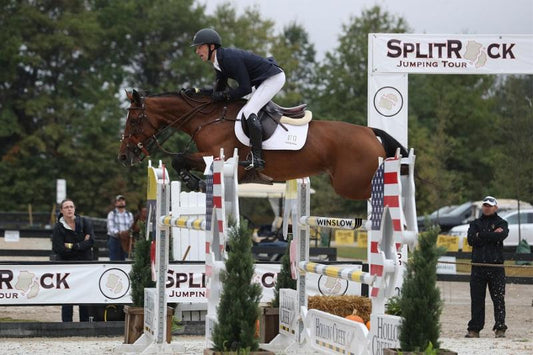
486	235
249	71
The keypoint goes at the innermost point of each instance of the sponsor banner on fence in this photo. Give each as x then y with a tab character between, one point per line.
344	237
64	283
109	283
450	242
385	332
452	54
447	265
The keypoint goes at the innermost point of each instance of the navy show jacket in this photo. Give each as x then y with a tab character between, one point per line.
246	68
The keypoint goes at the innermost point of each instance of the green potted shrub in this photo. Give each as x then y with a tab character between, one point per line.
419	303
238	310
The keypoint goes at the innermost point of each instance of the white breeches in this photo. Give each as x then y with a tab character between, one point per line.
263	94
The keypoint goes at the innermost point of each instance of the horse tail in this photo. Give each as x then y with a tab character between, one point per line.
389	143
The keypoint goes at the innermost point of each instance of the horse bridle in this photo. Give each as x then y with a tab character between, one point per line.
137	129
160	136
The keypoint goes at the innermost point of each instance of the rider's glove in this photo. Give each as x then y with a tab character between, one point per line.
220	96
191	91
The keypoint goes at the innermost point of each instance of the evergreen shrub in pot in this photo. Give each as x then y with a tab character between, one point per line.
238	310
419	302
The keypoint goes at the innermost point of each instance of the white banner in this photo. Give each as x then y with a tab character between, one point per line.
109	283
64	283
387	104
447	266
451	54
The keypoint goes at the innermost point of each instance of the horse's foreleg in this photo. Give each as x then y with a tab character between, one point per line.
183	164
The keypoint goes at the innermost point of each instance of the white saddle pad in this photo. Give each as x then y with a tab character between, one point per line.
293	139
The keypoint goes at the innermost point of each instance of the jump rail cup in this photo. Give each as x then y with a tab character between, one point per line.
391	225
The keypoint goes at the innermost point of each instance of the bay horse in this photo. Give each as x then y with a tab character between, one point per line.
347	152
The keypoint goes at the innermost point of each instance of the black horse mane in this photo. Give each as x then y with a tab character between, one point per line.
161	94
172	93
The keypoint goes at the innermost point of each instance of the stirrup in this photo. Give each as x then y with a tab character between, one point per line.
251	161
249	165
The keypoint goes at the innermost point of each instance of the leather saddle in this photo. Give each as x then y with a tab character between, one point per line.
270	116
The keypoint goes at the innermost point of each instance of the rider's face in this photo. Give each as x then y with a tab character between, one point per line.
203	52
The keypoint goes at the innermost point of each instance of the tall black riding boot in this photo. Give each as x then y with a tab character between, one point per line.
255	131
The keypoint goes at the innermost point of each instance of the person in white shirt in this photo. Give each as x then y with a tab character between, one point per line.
119	222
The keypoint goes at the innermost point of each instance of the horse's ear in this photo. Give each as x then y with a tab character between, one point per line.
128	95
136	97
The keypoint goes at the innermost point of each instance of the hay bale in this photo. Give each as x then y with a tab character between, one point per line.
342	306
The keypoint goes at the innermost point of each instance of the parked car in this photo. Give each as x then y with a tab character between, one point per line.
448	217
515	233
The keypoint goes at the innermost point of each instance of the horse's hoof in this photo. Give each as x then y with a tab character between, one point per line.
265	178
253	176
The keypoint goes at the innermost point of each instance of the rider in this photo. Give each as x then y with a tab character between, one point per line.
249	70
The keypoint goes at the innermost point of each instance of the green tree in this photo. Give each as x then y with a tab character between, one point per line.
294	52
449	115
340	89
249	31
339	93
420	292
513	168
141	272
238	309
53	91
65	65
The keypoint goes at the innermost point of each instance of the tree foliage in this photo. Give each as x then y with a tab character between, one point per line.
420	301
141	272
296	55
513	166
450	115
238	309
66	64
340	89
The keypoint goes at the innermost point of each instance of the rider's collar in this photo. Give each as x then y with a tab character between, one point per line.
215	63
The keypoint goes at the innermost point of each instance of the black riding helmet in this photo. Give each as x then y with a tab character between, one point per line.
206	36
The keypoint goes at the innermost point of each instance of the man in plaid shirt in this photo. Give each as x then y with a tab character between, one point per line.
119	221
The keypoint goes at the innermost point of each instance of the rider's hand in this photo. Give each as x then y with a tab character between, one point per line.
191	91
220	96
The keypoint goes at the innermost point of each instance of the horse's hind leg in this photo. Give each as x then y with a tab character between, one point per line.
183	165
353	182
350	190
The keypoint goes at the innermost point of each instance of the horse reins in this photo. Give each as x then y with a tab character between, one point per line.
183	119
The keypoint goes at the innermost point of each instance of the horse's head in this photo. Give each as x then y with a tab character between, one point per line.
152	119
138	138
